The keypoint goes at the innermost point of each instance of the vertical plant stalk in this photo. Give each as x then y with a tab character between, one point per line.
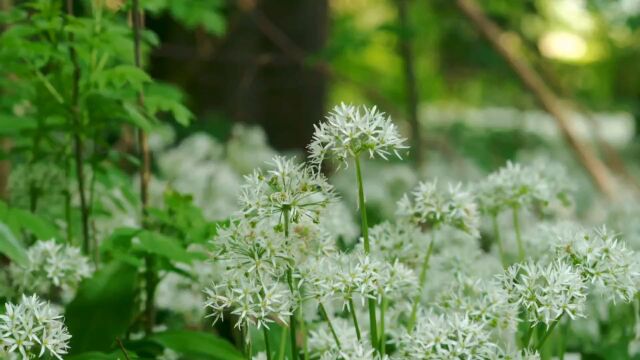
324	313
267	343
292	319
76	122
411	88
496	234
283	344
548	332
383	341
145	174
354	317
421	280
373	326
516	227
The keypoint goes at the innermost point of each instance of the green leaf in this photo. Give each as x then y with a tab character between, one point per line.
41	228
165	246
136	117
94	355
197	344
103	308
11	247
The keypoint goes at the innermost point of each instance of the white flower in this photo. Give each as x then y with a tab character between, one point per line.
350	131
287	189
434	207
514	186
51	265
447	337
603	261
400	240
32	329
546	292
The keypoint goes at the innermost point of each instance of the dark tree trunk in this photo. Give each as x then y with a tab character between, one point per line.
245	76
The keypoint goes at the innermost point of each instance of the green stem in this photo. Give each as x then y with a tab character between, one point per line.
421	281
383	341
363	208
324	313
267	343
527	337
496	233
354	317
303	332
516	226
292	320
373	327
283	343
549	331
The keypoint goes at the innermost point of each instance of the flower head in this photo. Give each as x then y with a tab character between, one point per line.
434	207
546	291
288	190
351	130
32	328
51	265
603	261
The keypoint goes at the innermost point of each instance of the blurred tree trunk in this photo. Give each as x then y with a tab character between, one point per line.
244	76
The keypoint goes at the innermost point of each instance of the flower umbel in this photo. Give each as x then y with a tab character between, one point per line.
352	130
32	329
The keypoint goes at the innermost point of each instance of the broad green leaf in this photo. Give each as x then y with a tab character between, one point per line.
198	344
165	246
11	247
95	355
136	117
35	224
103	308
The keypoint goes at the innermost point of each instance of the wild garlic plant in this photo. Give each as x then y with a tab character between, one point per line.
32	328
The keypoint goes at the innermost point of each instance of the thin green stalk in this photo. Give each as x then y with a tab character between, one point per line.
549	331
283	342
267	343
354	317
363	208
516	226
496	233
421	281
324	313
292	320
373	327
383	341
303	331
527	337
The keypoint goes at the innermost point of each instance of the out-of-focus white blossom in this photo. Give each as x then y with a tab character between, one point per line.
286	189
447	337
247	148
350	131
429	205
546	292
400	240
51	265
603	261
515	186
32	328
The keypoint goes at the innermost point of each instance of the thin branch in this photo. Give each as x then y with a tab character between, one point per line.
145	174
76	121
548	100
124	351
411	88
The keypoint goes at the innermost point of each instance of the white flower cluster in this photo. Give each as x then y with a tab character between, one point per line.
603	261
350	131
546	291
448	337
399	240
287	190
32	328
51	265
356	276
515	186
433	207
